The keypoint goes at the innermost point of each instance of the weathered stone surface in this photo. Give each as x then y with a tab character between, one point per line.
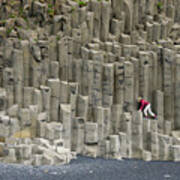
147	156
91	133
3	99
175	150
154	146
165	143
116	112
13	111
168	60
71	73
126	127
107	85
82	107
65	113
177	86
114	146
137	134
117	7
37	99
105	18
28	96
78	135
24	115
123	144
96	8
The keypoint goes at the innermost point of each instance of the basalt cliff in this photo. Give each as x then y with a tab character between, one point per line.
70	75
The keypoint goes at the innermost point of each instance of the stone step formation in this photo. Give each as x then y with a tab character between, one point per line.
70	75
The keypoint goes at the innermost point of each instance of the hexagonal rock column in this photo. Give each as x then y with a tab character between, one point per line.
65	117
91	133
177	94
137	134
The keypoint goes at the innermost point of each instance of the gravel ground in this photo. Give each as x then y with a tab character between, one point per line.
94	169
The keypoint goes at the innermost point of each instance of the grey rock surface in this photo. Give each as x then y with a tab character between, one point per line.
71	72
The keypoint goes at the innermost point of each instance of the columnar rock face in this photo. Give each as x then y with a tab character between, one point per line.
70	75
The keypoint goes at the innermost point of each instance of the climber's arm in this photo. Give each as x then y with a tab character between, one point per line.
141	106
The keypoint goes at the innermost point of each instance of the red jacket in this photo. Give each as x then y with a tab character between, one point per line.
143	103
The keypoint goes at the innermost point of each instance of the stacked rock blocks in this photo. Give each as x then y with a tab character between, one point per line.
71	72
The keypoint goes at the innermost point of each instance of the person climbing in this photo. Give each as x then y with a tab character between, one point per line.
145	107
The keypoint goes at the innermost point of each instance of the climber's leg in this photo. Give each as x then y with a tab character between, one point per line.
146	110
150	111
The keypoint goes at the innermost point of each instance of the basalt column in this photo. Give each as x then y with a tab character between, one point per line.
177	94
